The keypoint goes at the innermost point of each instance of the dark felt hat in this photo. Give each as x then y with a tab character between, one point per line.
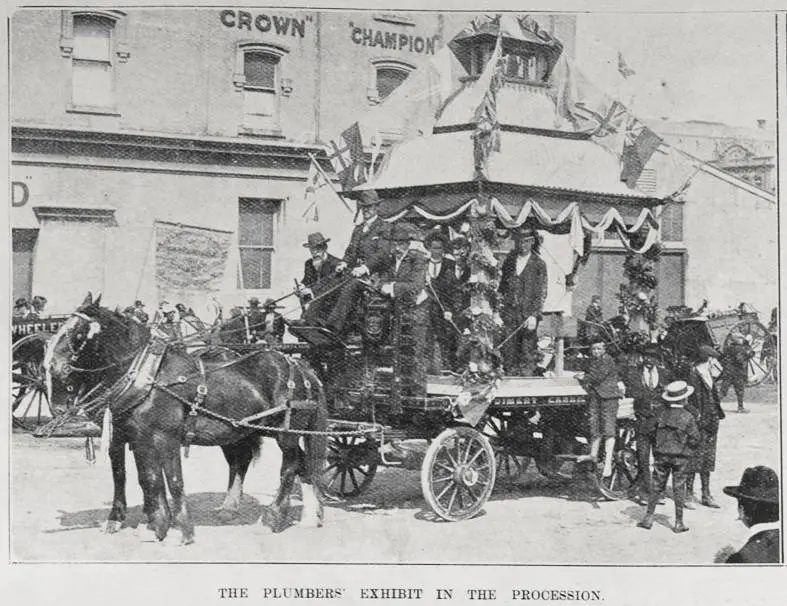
270	304
316	239
758	483
705	351
254	302
368	197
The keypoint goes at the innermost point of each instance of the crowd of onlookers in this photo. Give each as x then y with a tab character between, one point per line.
29	310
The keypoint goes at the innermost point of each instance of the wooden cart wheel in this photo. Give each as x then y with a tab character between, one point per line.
758	369
29	399
458	473
351	465
625	465
501	432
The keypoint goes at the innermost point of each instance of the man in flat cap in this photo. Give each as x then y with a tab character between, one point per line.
523	290
758	509
368	253
319	275
405	282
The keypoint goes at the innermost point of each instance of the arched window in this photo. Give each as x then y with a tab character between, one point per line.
259	75
387	76
92	75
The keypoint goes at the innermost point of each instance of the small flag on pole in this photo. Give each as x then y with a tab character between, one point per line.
319	191
347	157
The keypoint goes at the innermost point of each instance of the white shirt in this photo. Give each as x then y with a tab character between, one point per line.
369	223
521	262
651	377
434	268
704	372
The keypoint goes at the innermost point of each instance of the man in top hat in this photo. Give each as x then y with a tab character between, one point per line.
705	405
443	290
368	253
405	282
735	364
758	509
523	290
319	275
674	437
645	383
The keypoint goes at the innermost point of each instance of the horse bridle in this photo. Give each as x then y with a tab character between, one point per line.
69	369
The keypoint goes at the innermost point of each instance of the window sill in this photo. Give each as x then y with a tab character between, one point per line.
89	109
270	133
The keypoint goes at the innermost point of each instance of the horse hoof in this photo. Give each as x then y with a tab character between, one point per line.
189	540
112	526
273	520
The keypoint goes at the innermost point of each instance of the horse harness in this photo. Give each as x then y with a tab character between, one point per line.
141	379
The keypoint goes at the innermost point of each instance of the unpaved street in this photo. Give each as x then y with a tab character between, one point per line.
59	504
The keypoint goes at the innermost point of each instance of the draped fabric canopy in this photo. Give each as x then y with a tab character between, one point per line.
637	237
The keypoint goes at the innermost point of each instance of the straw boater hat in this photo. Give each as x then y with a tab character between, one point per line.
316	239
677	391
759	484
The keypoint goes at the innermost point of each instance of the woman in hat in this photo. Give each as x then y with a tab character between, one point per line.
705	405
758	509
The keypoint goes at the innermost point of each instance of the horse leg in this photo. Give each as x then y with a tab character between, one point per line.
239	457
174	474
151	480
311	470
275	516
117	458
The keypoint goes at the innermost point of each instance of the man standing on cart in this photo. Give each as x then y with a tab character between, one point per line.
523	290
405	282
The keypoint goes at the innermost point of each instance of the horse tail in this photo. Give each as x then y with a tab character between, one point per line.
256	447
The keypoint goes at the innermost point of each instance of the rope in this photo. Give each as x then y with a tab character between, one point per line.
442	307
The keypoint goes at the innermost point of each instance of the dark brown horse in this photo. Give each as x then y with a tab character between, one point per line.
153	420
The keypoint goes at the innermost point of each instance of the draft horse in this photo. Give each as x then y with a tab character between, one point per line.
151	405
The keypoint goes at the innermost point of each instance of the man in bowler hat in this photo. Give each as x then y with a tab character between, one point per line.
367	254
319	275
758	509
675	435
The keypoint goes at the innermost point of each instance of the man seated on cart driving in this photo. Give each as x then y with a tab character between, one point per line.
367	254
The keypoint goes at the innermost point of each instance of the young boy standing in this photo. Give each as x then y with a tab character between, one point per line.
675	436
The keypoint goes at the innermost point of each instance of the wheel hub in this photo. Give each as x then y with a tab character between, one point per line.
466	475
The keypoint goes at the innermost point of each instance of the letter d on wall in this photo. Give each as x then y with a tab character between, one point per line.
19	193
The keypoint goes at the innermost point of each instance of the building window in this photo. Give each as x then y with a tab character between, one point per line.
257	227
524	66
92	75
386	77
672	223
259	77
479	57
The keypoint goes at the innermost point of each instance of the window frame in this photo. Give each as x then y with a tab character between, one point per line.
667	232
276	213
282	85
372	91
118	53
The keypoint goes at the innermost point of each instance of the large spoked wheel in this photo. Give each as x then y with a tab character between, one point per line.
504	436
458	473
625	465
758	368
29	399
351	465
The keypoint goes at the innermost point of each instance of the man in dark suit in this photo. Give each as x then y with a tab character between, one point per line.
758	509
645	383
405	282
319	278
367	254
594	318
735	363
523	290
268	325
442	287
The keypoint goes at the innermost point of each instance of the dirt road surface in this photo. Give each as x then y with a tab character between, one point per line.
60	503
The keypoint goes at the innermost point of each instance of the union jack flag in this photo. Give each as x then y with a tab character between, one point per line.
347	158
638	148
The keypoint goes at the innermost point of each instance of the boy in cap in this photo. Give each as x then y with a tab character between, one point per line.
758	509
675	436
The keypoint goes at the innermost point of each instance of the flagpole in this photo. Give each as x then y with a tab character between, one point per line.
322	172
